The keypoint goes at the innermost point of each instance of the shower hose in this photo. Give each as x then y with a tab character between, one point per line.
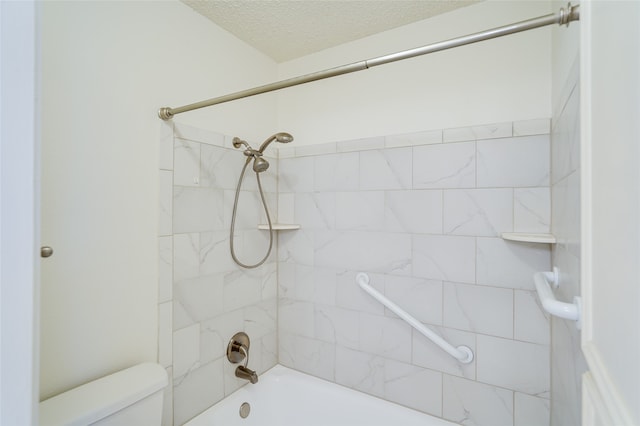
233	219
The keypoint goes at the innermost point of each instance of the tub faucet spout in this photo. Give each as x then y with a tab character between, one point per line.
243	372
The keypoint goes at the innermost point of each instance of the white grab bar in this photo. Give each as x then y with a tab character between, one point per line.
464	354
543	282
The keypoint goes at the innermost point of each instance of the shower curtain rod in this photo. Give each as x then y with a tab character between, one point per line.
563	17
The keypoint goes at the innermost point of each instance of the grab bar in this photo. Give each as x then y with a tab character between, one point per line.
543	282
464	354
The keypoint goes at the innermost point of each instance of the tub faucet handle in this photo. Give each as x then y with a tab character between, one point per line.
238	348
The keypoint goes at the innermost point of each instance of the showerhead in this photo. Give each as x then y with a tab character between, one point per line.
260	164
278	137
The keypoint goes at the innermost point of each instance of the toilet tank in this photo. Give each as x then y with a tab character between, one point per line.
129	397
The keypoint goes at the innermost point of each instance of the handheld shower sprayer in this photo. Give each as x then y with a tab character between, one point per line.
259	165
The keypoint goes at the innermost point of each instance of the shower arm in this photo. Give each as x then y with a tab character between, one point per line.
563	17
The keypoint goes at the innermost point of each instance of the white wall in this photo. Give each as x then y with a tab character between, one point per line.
107	68
18	214
611	204
507	79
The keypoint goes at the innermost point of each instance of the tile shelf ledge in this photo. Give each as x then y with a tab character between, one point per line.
529	237
279	226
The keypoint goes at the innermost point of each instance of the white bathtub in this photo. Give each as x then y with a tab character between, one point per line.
285	397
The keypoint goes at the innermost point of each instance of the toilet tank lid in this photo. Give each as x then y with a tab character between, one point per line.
102	397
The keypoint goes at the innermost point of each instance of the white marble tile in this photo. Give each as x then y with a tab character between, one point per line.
186	163
165	269
567	367
531	322
349	295
296	282
186	350
360	371
366	251
566	222
165	203
181	317
513	162
198	391
165	334
249	212
449	258
459	134
269	352
471	403
531	210
480	309
514	365
201	297
414	387
296	174
197	209
261	319
386	169
220	167
540	126
214	253
318	149
255	246
337	325
269	277
167	400
307	355
359	211
338	172
445	166
286	152
241	289
360	144
296	318
297	247
427	354
565	138
481	212
165	146
286	208
414	211
489	131
315	210
413	139
324	286
385	336
419	297
216	333
196	134
186	256
531	411
510	264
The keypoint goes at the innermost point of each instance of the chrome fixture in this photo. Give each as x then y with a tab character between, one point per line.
237	351
563	17
259	165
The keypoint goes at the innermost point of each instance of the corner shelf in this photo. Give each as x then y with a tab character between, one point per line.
529	237
279	226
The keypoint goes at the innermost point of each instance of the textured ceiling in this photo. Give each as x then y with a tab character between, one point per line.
288	29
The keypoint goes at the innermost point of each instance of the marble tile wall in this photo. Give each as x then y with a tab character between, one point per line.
204	298
422	214
567	361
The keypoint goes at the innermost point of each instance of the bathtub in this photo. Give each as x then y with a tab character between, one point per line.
285	397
